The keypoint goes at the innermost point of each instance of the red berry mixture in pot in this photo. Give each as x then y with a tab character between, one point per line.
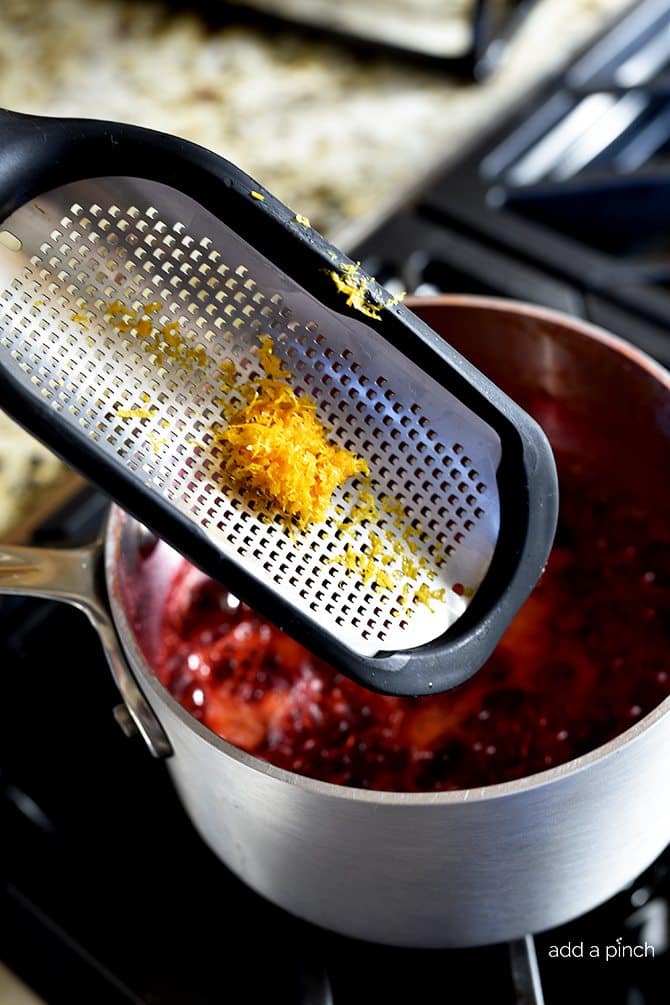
586	657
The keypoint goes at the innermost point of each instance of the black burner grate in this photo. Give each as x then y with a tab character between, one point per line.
567	204
492	25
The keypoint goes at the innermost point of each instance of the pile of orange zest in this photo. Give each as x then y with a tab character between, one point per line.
276	448
163	342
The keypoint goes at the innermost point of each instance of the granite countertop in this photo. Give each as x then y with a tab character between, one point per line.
334	135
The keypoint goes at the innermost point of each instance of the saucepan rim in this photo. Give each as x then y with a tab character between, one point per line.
148	679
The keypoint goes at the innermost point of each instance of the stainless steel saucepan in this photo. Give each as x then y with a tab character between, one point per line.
447	869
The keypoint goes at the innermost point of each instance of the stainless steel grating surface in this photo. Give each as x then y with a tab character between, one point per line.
153	402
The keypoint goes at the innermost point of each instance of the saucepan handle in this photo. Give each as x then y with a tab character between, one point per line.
72	575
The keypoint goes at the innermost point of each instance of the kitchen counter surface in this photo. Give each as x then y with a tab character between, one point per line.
334	135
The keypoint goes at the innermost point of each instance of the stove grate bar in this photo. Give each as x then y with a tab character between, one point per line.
658	88
526	972
634	34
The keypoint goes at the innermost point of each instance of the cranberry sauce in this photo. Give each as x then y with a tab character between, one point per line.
585	658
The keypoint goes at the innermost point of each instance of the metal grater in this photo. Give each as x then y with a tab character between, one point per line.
67	254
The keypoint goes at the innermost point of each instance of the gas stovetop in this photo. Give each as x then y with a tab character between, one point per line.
567	204
108	895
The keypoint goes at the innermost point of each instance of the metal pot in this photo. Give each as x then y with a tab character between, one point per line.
449	869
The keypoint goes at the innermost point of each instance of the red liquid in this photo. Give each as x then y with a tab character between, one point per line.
585	658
